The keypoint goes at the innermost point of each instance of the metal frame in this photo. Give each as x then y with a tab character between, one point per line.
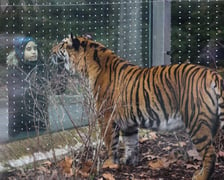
161	32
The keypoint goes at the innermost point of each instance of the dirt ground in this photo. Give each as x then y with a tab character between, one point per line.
166	156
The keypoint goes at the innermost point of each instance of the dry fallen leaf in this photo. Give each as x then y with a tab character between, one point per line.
83	174
110	164
159	163
167	148
108	176
193	153
47	163
189	166
182	143
221	153
152	135
86	168
66	166
179	144
143	139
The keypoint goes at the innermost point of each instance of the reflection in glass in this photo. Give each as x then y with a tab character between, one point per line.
123	26
27	104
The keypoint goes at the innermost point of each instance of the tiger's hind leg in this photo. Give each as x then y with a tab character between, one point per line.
130	139
207	166
203	143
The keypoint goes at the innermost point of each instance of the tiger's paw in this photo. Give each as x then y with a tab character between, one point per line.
109	163
199	175
131	157
130	160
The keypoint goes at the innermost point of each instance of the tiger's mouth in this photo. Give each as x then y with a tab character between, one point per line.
59	62
62	63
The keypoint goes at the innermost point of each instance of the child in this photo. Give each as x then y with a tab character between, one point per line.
28	82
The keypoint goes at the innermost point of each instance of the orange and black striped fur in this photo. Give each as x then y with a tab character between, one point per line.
161	98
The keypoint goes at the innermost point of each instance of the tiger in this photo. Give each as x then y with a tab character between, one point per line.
160	98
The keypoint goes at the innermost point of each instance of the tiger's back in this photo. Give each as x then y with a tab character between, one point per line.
164	97
161	98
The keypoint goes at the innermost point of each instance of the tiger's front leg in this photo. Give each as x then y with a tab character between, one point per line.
130	139
110	133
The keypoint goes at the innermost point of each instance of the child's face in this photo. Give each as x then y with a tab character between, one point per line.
31	53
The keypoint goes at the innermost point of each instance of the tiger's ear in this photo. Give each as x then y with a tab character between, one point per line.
71	35
76	43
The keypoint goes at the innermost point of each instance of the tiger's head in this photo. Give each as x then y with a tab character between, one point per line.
75	53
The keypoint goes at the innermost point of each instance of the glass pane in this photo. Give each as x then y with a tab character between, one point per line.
197	32
123	26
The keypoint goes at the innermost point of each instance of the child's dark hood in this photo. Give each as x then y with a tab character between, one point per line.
16	57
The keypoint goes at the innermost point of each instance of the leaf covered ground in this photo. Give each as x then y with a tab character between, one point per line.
167	156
